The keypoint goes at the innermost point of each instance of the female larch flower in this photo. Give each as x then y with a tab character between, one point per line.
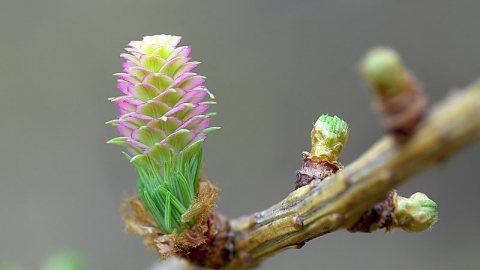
163	123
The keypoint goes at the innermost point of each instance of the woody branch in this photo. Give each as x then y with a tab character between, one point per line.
338	197
338	201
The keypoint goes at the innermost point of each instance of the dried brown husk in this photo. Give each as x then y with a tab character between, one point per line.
315	168
381	215
208	243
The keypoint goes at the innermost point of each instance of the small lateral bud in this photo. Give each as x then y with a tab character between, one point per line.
383	69
415	214
397	94
329	136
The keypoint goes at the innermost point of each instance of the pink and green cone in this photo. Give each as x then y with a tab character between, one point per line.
163	124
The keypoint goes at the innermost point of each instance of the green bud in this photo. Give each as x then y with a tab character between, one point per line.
383	69
329	136
415	214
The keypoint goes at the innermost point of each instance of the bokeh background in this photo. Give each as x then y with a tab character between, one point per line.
274	67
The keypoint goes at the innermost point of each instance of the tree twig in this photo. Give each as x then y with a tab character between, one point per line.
338	201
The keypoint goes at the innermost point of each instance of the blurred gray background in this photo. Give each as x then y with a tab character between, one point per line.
274	67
